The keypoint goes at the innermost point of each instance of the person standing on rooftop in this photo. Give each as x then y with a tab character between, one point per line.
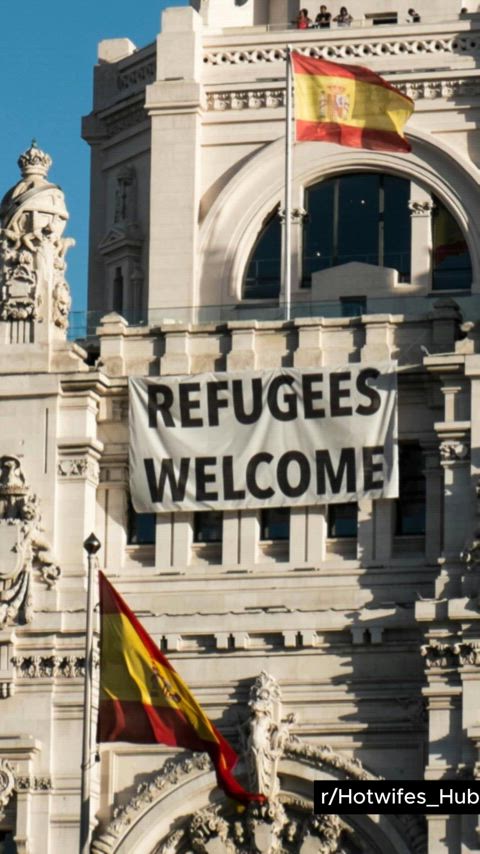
344	18
323	18
303	21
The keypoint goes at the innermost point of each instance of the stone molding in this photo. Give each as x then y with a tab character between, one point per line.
363	49
273	98
49	666
136	77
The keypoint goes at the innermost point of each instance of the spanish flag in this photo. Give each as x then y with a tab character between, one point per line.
349	105
144	700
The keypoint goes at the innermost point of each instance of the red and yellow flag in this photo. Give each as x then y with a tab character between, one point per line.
349	105
144	700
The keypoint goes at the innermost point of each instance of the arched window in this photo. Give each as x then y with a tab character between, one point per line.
365	217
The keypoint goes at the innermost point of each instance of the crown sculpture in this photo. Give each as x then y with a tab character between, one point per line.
33	217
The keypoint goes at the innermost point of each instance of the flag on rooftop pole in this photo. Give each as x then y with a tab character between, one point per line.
349	105
143	699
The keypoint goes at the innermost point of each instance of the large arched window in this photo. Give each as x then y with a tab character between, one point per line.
362	217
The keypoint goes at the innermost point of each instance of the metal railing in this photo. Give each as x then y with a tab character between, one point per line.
87	324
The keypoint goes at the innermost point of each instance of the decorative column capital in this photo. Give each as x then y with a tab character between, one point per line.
454	451
423	209
297	215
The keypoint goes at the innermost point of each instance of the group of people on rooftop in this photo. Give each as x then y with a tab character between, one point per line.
343	19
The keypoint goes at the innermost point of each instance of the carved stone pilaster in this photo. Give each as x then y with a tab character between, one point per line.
7	785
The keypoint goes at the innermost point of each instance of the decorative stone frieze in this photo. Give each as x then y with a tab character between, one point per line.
24	547
33	217
438	654
33	784
125	119
78	467
255	99
7	785
350	50
50	666
138	76
451	452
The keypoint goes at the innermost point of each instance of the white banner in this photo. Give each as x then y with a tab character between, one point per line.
263	438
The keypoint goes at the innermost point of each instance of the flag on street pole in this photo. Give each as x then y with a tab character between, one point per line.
349	105
143	699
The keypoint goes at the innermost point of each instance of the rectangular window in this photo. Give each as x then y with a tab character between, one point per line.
379	18
342	520
410	516
208	527
275	523
141	527
353	306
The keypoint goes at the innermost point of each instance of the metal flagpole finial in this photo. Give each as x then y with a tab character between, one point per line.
92	544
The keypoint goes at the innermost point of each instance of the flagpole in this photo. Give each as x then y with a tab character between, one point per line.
91	546
287	245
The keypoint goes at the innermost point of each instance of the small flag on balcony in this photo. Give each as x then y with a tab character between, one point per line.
143	699
349	105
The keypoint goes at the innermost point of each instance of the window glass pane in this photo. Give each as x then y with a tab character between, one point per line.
411	502
318	230
397	225
208	527
262	279
275	523
452	269
141	527
358	211
7	845
342	520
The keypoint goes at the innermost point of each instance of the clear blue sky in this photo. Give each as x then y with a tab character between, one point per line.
47	55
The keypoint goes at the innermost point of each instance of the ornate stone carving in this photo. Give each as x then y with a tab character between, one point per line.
33	784
468	653
438	654
33	217
298	215
262	829
471	554
78	467
364	49
451	452
421	208
49	666
266	734
7	785
23	545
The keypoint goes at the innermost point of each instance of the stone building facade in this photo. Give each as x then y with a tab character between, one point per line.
327	642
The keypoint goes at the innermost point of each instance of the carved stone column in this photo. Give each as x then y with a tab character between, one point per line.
421	208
